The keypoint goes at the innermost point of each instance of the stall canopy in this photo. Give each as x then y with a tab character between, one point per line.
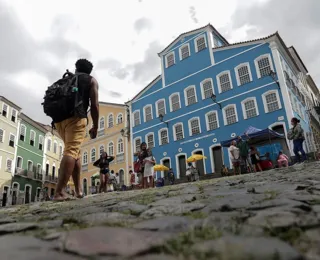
256	136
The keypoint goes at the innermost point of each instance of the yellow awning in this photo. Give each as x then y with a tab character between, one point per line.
159	167
196	157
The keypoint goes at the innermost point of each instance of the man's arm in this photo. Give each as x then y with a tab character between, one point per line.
94	100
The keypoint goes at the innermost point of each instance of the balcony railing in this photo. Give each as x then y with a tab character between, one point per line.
49	178
84	168
29	173
120	158
100	132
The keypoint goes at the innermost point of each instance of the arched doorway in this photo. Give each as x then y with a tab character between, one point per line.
121	177
52	193
15	190
85	186
166	162
5	195
181	165
216	158
200	164
27	194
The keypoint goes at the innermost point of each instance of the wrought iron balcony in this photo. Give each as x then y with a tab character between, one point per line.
29	173
50	178
120	158
84	168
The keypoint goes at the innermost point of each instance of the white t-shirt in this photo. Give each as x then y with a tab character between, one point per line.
234	152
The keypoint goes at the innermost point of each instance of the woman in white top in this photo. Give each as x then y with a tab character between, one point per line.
235	157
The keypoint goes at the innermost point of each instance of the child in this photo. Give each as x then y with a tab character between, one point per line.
282	160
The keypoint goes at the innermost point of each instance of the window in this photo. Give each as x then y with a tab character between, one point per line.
137	143
119	119
206	88
194	126
85	158
47	168
19	162
9	165
11	140
53	171
22	133
30	166
101	123
32	137
93	155
249	108
243	74
200	43
5	110
190	95
60	150
40	142
263	65
120	146
101	150
170	60
163	136
148	113
110	120
224	81
111	149
184	51
39	168
1	136
212	120
178	131
271	101
49	145
136	118
161	107
150	140
55	147
13	115
230	115
175	102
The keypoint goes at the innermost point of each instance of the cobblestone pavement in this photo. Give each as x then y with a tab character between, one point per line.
270	215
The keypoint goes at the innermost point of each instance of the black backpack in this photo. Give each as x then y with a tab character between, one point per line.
62	99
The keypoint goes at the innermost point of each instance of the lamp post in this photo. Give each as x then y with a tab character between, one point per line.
124	133
273	75
161	119
214	99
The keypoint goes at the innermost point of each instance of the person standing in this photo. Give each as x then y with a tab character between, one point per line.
235	157
244	151
296	134
103	163
255	159
171	176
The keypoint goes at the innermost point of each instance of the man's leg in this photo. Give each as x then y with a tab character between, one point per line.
76	179
296	150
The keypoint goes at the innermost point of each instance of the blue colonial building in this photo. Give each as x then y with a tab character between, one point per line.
175	113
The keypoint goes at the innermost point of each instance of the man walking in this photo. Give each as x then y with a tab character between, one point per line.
73	130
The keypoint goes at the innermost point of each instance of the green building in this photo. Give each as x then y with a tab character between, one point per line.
28	178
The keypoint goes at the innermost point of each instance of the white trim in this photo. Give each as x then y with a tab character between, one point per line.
186	97
189	125
101	145
40	168
113	152
210	45
199	109
265	101
195	42
204	163
175	133
124	173
55	147
244	109
157	108
224	114
134	112
207	121
144	113
21	162
256	60
7	114
41	155
95	154
201	87
166	58
8	191
177	163
3	135
285	133
211	155
162	77
12	165
159	135
25	132
104	123
18	187
118	118
218	80
43	139
146	139
134	143
14	138
110	114
170	101
161	162
84	152
180	53
118	152
28	165
237	72
25	188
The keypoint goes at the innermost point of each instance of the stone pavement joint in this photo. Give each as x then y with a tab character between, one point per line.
269	215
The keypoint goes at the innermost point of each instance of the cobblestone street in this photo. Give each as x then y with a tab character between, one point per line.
270	215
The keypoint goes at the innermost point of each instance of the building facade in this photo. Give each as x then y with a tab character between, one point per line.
9	113
114	138
28	176
178	114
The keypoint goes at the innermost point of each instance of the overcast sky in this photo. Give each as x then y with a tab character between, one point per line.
40	39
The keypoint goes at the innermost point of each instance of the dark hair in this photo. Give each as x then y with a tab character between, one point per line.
190	164
143	143
84	66
296	120
130	171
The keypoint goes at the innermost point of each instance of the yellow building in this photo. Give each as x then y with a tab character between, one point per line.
9	113
113	137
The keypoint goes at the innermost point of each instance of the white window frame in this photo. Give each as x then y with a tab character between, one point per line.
83	156
14	139
3	135
12	111
101	145
175	133
55	147
39	168
218	80
49	147
254	99
170	101
113	152
95	154
134	112
265	101
144	113
257	66
28	165
118	142
120	114
111	114
146	139
180	51
224	114
9	170
159	136
41	142
195	42
189	125
134	143
24	134
201	87
237	73
21	162
157	109
7	114
185	95
166	58
207	121
104	123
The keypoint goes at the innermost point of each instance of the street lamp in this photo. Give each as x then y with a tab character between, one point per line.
214	99
273	75
161	119
124	133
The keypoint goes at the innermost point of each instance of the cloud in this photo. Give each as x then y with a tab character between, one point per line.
193	13
298	23
114	68
142	24
115	94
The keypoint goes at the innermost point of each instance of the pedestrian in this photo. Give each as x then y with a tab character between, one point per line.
282	160
71	125
194	172
296	134
132	179
171	176
244	151
103	163
255	159
235	157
